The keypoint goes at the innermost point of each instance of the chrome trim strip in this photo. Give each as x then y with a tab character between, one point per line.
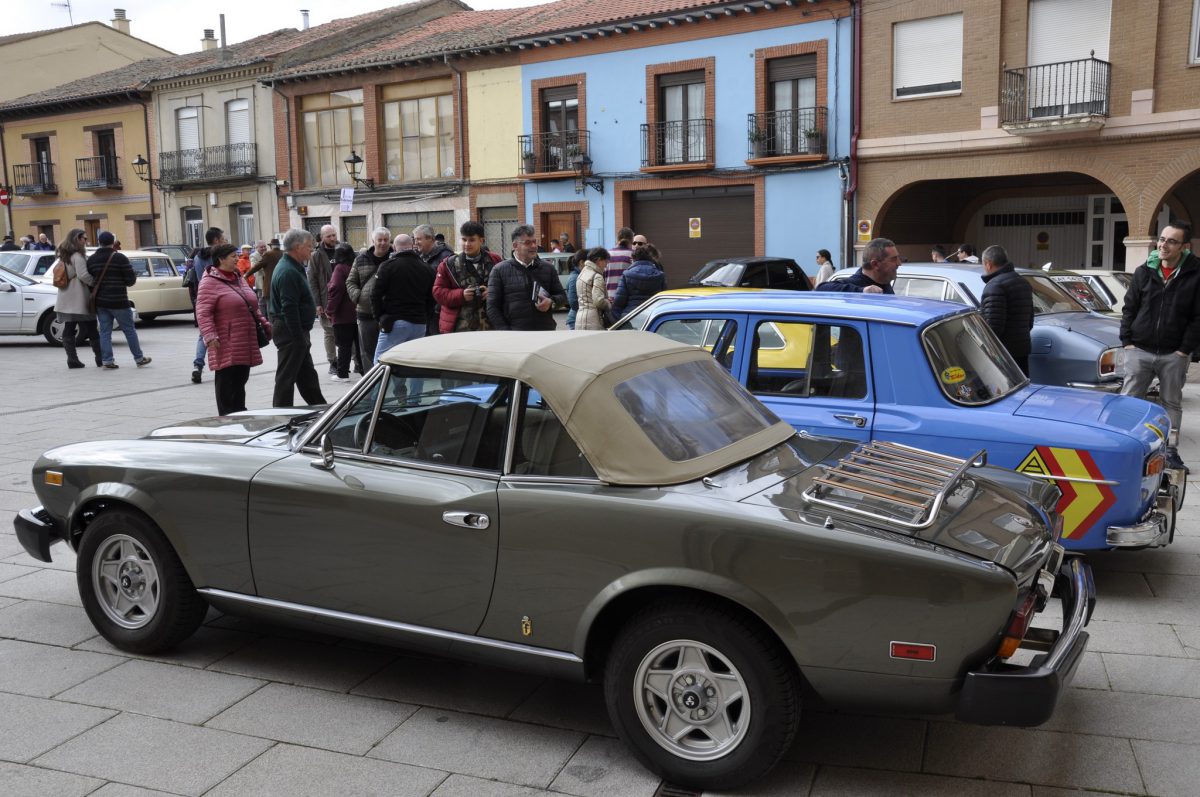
523	479
414	464
1069	479
451	636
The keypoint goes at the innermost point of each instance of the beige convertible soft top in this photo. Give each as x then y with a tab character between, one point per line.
576	373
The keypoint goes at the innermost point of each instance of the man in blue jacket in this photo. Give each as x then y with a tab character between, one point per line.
879	263
293	311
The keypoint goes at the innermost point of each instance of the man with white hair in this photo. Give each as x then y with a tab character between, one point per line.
293	310
361	281
320	269
402	243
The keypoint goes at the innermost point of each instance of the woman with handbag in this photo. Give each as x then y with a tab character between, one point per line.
232	326
79	325
594	308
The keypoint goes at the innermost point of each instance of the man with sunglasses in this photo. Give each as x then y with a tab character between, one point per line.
1160	325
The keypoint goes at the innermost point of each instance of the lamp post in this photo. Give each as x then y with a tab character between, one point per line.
141	167
582	165
354	167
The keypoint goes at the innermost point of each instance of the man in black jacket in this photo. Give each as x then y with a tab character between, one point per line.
1007	305
522	290
113	276
402	300
1160	325
880	259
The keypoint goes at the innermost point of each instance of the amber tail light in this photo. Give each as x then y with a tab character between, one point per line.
1155	464
1018	624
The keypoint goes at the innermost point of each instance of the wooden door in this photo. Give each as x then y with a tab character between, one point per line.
92	228
555	224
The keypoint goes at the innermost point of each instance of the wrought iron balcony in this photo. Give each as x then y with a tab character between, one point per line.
208	165
547	153
31	179
682	143
95	173
1067	95
791	132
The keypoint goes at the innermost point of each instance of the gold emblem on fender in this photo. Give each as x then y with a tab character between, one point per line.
526	626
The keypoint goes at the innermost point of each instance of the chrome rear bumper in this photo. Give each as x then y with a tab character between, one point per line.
1153	531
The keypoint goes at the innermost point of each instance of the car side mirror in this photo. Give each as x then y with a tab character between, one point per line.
326	451
6	288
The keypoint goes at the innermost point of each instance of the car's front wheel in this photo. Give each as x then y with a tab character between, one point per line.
133	586
52	328
703	696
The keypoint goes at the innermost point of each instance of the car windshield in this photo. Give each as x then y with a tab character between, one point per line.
1079	288
1049	297
719	273
649	307
15	278
13	261
692	409
969	363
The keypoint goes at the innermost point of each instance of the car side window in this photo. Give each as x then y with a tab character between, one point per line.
715	335
163	267
44	263
140	266
755	276
543	445
807	360
921	287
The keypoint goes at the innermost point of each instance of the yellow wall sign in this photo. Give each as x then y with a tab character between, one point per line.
694	228
953	375
864	230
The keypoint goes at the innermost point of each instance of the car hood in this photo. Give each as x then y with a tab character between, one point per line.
1094	408
990	513
1100	328
239	427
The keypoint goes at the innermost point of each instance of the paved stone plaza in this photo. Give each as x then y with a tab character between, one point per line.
243	709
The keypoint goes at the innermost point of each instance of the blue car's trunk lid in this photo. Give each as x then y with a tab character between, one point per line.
1093	408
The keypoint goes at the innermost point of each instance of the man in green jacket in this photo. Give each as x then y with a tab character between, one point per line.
293	312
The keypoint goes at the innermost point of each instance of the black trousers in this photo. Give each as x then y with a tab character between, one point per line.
346	336
80	333
295	368
230	385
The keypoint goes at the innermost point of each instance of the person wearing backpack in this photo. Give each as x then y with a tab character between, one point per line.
71	306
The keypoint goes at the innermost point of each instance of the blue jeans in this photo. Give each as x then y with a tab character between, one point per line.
124	317
201	354
401	331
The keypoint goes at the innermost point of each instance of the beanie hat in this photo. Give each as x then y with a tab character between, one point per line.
106	238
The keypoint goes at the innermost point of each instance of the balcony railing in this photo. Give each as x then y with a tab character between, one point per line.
795	131
1052	92
31	179
98	172
678	143
210	164
545	153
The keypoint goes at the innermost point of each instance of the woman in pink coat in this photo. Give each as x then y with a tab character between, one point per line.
227	311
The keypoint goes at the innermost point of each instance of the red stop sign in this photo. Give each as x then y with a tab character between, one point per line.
4	196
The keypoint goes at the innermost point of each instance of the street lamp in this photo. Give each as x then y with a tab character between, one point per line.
141	167
582	165
354	167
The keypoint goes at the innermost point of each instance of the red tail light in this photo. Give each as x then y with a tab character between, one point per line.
1018	624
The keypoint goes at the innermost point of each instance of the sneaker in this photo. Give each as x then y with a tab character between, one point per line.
333	370
1174	462
143	361
336	378
75	364
111	366
196	376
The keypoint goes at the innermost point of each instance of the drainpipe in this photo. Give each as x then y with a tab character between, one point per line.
150	168
291	181
855	129
4	160
458	135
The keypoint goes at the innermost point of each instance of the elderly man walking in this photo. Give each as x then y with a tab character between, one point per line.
1160	325
293	312
1007	305
320	269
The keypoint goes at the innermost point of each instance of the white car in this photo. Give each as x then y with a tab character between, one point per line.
27	307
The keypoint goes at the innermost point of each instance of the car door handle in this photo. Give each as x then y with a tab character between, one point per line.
857	420
468	520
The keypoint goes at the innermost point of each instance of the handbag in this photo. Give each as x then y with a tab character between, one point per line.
96	287
260	333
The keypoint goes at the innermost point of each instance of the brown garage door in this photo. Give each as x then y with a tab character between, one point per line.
726	216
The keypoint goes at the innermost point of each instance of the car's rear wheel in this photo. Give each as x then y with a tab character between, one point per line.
133	586
51	328
703	696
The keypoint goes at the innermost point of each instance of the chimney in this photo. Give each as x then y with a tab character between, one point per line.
119	22
209	42
304	13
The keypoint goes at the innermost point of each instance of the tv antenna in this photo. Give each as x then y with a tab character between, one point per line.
67	5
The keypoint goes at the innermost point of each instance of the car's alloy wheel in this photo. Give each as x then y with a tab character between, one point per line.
133	586
705	696
52	329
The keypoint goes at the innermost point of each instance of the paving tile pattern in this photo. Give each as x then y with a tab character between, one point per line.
249	708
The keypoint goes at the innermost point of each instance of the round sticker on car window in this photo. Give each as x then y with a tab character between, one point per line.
953	375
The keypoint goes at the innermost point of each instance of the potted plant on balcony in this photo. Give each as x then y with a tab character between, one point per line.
573	154
529	157
812	140
757	137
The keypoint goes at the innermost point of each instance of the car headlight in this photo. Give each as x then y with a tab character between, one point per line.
1112	363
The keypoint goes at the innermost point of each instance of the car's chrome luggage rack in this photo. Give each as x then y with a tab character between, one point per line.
890	482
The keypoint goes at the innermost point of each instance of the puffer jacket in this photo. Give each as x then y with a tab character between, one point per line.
112	293
1162	317
638	283
1007	306
593	297
339	308
452	278
510	295
226	308
361	280
73	299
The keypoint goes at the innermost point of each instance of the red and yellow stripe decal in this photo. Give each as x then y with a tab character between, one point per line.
1082	504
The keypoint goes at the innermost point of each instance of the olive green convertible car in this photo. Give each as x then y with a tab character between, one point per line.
622	511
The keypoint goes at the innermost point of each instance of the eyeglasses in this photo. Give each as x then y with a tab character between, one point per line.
1170	241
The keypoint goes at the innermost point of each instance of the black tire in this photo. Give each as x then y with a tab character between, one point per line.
730	654
133	586
50	328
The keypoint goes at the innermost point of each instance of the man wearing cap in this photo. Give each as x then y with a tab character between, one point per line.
113	276
8	245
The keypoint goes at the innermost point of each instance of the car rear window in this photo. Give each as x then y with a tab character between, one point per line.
692	409
1049	297
969	363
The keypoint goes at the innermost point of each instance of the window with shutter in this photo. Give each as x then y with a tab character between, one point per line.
1068	30
927	56
237	122
187	127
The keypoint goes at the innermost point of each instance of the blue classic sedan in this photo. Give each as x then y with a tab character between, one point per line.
932	375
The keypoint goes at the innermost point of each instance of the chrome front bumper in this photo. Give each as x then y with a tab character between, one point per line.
1153	531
